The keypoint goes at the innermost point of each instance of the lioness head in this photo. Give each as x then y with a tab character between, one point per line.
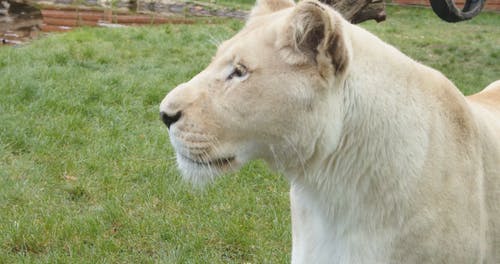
274	91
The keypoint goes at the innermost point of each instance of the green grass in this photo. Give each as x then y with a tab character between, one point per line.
239	4
468	53
86	171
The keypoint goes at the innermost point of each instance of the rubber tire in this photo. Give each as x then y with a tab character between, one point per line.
448	11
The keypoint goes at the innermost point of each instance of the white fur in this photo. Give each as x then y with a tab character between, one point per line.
388	162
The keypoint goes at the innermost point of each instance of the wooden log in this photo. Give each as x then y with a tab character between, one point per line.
92	16
59	14
374	11
71	17
68	22
354	10
149	20
52	28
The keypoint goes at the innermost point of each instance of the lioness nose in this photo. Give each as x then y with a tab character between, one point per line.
170	119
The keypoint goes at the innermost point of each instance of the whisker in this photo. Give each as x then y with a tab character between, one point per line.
299	155
279	164
214	41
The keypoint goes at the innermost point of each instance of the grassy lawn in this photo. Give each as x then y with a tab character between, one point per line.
86	171
239	4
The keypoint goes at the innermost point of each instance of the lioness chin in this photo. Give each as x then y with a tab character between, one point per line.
387	161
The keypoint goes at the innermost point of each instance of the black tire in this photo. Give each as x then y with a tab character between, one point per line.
448	11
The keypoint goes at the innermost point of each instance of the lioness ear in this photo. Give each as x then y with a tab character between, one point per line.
264	7
314	34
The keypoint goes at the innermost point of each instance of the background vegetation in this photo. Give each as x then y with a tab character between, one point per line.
86	171
240	4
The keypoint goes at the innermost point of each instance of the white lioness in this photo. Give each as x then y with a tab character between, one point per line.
388	162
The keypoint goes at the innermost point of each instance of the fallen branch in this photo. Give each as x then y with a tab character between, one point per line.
358	11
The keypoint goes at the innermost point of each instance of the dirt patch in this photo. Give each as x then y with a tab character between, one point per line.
19	22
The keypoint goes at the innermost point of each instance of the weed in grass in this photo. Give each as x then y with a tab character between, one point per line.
77	193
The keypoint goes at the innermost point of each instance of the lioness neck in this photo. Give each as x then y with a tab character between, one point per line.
353	202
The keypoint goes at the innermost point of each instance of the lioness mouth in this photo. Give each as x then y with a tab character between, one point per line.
215	162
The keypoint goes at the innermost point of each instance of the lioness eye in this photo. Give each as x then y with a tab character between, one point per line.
238	72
